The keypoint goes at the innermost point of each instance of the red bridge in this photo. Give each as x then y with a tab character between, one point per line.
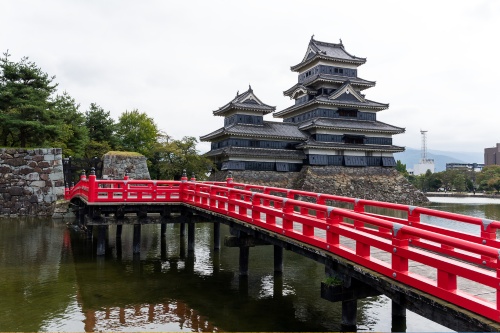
452	273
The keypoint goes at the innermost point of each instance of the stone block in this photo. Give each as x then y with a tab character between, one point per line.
44	164
56	176
38	158
50	198
49	157
38	183
28	190
16	191
15	162
26	170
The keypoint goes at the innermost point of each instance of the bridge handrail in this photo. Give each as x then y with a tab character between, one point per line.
298	219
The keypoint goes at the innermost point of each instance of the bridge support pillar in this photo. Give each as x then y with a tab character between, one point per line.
398	317
349	313
136	246
119	229
278	259
90	231
216	236
244	257
183	229
191	230
101	240
163	231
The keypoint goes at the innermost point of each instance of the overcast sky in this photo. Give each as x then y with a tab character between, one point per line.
435	62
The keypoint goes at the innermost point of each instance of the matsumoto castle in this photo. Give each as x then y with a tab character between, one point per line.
330	123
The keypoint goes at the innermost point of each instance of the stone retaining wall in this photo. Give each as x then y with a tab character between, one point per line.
31	181
117	164
373	183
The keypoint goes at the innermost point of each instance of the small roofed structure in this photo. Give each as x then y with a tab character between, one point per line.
248	142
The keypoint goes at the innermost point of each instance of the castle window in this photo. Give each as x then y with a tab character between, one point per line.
348	113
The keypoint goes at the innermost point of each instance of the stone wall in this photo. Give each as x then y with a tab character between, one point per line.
31	181
116	164
373	183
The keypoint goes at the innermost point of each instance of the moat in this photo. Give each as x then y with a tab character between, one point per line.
52	281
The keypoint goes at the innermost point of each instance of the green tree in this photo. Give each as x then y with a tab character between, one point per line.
137	132
100	125
401	168
173	156
494	183
72	133
483	178
26	104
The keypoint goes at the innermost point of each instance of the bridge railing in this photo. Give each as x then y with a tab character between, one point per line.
126	190
405	214
325	226
354	234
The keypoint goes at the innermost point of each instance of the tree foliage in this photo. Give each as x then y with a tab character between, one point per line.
72	133
27	108
171	157
100	125
137	132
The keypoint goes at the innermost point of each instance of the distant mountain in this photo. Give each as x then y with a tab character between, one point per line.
412	156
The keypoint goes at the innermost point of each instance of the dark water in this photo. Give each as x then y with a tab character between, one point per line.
50	280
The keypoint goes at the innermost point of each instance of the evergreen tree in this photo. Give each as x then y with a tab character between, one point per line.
72	133
100	125
27	110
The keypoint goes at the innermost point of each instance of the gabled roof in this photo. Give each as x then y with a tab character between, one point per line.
351	125
246	101
275	154
270	130
311	143
342	94
360	84
323	100
299	88
327	51
323	77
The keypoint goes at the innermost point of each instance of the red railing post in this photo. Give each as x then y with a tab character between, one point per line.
255	203
191	187
287	209
358	208
83	176
333	222
320	201
229	179
498	284
92	187
231	207
183	187
487	234
399	263
413	219
213	201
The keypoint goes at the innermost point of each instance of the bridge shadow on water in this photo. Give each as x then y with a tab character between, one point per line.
168	288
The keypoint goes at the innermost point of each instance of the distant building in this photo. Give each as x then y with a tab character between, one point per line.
464	166
330	123
425	163
492	155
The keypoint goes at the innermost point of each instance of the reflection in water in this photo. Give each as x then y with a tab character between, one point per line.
50	274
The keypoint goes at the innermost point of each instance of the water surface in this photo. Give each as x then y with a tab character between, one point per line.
51	280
